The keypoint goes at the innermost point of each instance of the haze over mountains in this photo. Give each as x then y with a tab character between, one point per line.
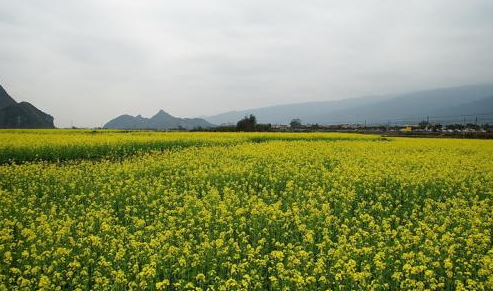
161	120
438	104
21	115
415	106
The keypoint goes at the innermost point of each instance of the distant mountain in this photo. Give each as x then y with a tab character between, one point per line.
161	120
470	108
21	115
5	99
374	109
282	114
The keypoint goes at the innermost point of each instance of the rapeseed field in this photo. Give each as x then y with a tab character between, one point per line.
110	210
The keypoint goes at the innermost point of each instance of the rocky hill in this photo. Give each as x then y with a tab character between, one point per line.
161	121
21	115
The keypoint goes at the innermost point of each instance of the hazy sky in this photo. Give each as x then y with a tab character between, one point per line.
89	61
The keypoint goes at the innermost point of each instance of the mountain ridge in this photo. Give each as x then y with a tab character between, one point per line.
161	121
377	108
22	114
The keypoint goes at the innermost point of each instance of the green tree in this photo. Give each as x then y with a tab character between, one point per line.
295	123
248	123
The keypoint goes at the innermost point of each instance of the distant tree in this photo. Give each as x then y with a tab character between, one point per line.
455	126
198	128
473	126
224	128
248	123
295	123
263	127
436	127
423	124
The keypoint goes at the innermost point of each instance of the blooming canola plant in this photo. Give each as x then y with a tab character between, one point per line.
110	210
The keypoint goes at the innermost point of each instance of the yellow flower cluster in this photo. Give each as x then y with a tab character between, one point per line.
245	212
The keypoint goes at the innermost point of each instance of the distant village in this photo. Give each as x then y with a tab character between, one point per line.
423	128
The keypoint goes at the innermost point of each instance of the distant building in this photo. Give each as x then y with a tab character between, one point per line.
280	126
407	129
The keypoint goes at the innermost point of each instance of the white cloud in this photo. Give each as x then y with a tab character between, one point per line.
89	61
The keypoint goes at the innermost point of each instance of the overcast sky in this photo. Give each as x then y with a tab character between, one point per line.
86	62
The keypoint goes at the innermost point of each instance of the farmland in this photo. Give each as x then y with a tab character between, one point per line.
114	210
